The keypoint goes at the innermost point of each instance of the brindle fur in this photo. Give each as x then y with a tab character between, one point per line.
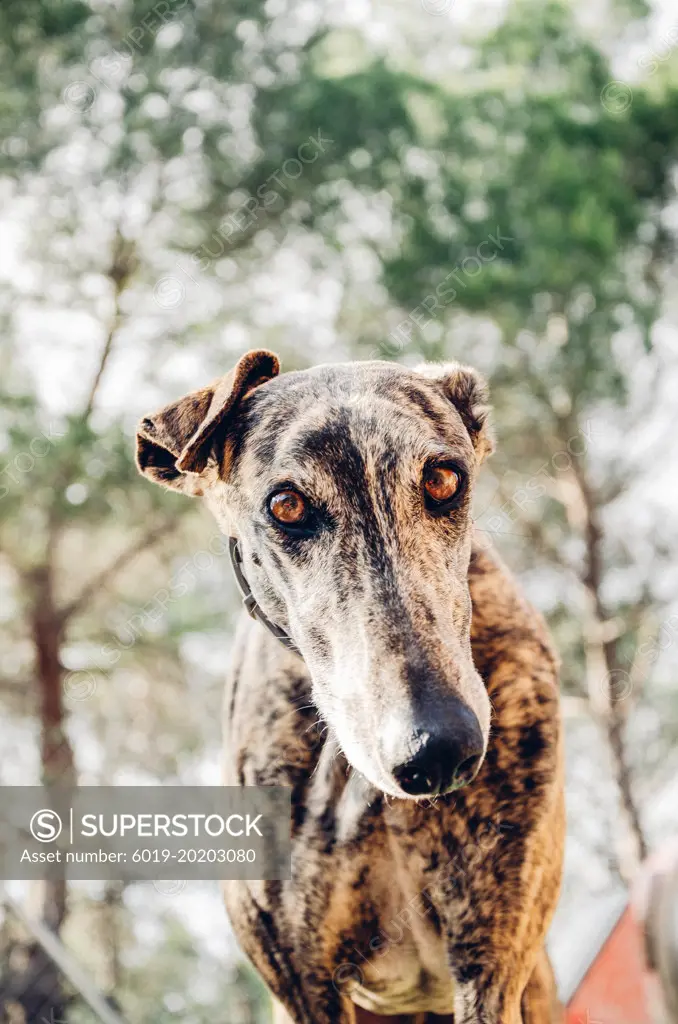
411	907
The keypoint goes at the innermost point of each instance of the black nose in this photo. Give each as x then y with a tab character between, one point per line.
446	759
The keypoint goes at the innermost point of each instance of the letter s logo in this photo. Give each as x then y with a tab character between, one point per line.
45	826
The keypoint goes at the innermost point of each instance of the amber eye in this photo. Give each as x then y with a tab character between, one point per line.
288	507
441	483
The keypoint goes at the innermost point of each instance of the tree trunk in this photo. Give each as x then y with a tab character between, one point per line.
56	755
46	1000
605	674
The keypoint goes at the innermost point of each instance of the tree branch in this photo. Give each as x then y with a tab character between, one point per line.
604	669
106	351
535	533
106	576
123	264
16	687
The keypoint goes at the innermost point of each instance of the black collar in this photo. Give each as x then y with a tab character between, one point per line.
249	600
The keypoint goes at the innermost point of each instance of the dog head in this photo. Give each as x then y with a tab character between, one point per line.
349	488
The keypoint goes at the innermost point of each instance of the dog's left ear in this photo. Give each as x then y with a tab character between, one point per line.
468	392
174	444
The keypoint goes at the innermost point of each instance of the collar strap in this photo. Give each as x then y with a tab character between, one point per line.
248	599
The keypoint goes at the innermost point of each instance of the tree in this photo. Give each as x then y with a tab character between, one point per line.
545	210
112	111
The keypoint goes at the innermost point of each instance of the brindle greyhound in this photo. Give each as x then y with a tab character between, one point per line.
428	806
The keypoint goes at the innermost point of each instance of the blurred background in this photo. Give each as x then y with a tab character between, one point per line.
182	180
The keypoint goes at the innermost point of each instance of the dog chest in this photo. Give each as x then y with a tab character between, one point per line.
406	971
402	966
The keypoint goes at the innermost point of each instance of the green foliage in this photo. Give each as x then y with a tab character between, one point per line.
162	986
533	154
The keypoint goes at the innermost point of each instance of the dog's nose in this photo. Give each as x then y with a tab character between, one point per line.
447	758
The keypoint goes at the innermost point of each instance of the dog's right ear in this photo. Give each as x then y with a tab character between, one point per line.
467	391
174	444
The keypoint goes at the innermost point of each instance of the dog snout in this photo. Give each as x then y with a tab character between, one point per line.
447	753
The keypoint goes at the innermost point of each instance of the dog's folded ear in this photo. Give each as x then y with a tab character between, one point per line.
468	392
174	444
